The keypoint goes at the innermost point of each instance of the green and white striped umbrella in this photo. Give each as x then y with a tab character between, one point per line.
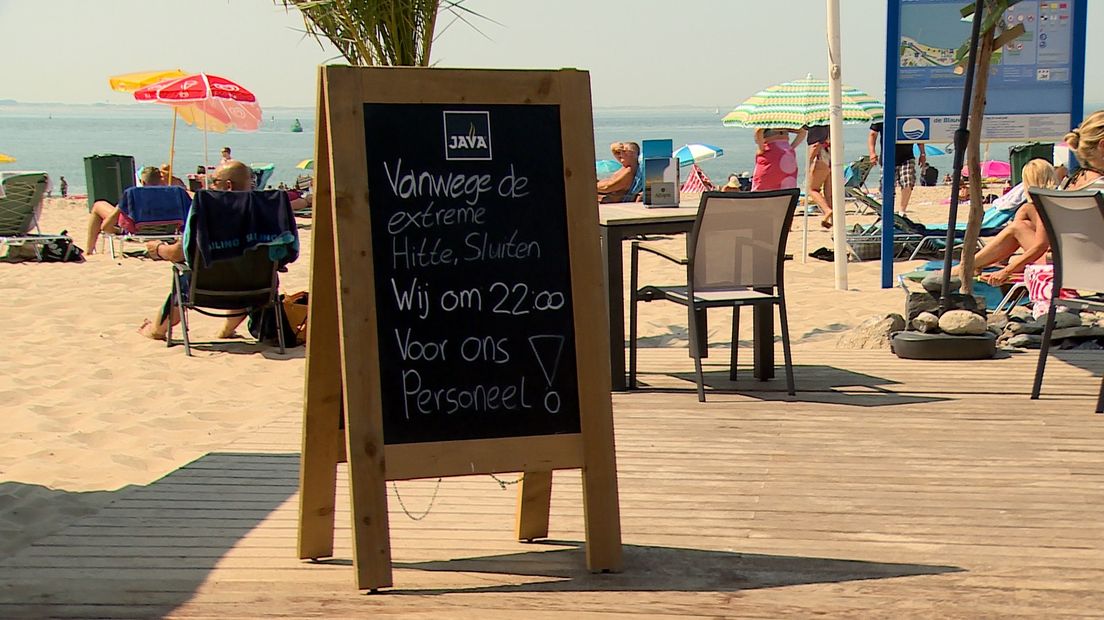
802	103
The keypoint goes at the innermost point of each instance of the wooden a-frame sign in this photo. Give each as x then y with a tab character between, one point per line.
457	307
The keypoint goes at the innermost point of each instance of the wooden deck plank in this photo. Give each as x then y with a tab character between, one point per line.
886	487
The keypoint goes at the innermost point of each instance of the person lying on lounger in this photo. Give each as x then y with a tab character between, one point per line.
1025	231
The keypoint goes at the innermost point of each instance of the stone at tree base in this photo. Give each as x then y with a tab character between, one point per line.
1089	345
925	322
933	283
923	301
872	333
1025	341
1030	327
1081	331
998	320
962	323
1066	319
1020	313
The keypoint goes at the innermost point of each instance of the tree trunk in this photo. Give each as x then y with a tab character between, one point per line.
973	159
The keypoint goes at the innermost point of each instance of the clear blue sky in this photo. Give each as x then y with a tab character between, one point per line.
639	52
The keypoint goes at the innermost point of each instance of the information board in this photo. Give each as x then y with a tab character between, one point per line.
1036	83
473	273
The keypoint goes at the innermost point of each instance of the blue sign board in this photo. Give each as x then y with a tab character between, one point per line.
1036	83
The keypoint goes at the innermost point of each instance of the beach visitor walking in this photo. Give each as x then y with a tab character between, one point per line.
64	188
775	158
819	166
904	172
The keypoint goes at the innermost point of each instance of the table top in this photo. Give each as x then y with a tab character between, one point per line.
628	213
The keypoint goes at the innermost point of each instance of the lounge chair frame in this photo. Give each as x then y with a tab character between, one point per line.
19	210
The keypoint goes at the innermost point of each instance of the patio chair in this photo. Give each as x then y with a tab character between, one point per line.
20	208
261	174
1075	227
238	270
153	213
736	255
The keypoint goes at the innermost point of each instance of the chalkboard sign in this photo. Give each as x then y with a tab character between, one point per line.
457	308
472	271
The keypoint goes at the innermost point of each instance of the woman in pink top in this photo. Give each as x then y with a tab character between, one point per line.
775	159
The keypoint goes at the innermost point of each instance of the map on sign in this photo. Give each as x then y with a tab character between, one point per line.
932	32
1032	77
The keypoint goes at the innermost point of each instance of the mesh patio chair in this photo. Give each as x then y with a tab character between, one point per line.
736	255
1075	227
20	207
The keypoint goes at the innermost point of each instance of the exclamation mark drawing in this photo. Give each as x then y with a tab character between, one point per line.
547	349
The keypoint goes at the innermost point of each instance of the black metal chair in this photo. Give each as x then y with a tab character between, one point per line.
736	257
1075	227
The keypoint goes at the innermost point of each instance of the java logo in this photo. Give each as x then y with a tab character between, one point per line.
467	135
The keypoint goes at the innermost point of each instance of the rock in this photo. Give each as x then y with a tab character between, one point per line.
873	333
994	330
925	322
1030	327
933	283
920	301
1063	320
998	320
1089	345
962	323
1081	331
1025	341
1020	313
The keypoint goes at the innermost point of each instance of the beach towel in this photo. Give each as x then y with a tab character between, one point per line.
150	206
1040	288
224	225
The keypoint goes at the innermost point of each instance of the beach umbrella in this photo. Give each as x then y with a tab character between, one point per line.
6	159
801	103
929	150
130	82
992	169
206	101
694	153
306	164
606	167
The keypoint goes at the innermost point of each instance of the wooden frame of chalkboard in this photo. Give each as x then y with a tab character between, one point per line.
457	308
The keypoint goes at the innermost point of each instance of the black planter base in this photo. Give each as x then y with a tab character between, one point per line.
921	346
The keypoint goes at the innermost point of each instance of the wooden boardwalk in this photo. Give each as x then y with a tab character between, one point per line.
886	488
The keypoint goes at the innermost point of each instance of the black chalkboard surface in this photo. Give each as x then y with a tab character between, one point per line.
472	271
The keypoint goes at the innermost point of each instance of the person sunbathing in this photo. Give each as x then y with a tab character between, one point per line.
231	176
105	216
616	188
1025	231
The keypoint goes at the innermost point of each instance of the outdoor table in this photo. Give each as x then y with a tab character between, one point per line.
625	220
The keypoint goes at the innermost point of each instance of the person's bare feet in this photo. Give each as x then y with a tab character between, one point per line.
224	333
149	330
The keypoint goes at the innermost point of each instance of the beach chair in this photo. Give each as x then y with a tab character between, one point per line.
1075	226
154	213
736	258
261	174
865	242
854	178
241	276
20	208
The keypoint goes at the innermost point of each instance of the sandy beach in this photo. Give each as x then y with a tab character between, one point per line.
91	406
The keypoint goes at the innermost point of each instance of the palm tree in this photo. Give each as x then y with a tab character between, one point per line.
994	35
378	32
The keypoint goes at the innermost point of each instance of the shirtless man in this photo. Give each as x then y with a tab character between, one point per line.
231	176
105	216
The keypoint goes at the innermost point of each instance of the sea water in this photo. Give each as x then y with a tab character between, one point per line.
57	137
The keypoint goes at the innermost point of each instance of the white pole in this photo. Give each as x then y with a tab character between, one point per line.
835	110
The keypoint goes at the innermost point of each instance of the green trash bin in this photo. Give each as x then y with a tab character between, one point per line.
107	176
1019	155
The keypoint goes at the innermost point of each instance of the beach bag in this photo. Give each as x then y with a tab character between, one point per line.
61	251
295	313
262	326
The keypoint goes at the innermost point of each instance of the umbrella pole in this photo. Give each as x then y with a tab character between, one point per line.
805	213
835	113
172	149
206	168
